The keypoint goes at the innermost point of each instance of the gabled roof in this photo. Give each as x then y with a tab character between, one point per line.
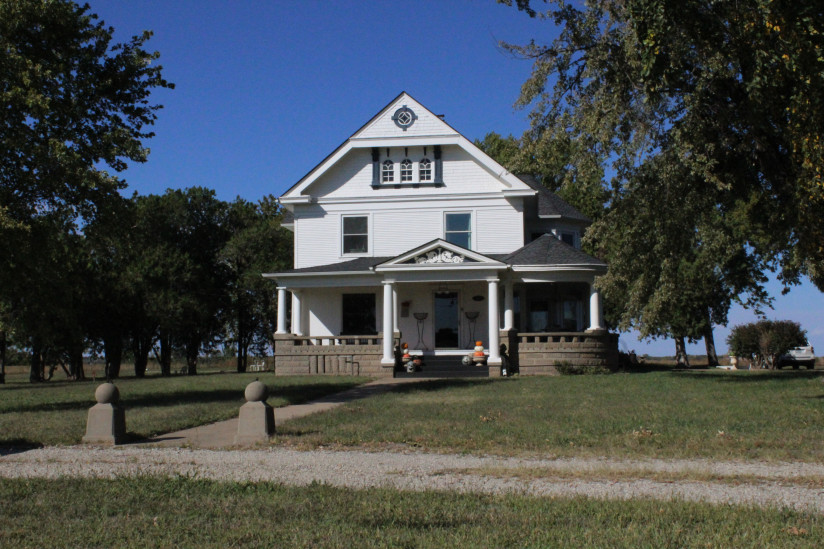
548	250
428	129
440	254
550	205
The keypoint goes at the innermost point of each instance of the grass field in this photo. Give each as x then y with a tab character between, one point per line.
55	412
668	414
152	512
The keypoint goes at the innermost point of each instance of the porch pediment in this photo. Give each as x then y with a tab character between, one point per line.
439	254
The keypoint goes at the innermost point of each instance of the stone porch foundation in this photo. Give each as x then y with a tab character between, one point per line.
529	353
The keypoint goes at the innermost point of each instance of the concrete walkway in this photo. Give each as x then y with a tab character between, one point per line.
222	434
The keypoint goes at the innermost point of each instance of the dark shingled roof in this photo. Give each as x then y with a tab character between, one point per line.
548	250
353	265
288	218
550	204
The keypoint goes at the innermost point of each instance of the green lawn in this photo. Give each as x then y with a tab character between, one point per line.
180	512
55	412
668	414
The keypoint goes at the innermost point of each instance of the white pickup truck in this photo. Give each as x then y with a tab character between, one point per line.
798	356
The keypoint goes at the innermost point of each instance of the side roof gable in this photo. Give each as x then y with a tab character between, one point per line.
550	205
381	129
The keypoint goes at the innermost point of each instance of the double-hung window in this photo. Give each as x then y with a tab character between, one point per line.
355	234
458	229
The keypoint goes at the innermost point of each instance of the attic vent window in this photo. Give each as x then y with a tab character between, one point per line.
404	117
406	170
388	172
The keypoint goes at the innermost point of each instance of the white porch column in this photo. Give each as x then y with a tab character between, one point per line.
494	329
596	322
281	310
297	314
394	308
388	323
509	306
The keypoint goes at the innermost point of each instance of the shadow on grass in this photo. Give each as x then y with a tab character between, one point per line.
750	376
17	446
292	394
440	384
646	368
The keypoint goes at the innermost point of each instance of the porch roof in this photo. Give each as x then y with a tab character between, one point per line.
548	250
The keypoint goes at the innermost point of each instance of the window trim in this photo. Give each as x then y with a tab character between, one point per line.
471	230
343	252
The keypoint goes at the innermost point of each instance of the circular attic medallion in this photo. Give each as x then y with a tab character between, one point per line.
404	117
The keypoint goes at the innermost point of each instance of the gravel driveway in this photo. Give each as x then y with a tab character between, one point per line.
796	485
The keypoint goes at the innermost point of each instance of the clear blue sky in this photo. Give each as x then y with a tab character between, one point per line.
265	90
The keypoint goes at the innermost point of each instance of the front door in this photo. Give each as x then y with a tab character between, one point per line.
447	320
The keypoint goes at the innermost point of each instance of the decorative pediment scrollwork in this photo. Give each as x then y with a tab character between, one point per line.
438	255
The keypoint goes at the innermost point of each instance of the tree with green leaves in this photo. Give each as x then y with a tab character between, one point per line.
74	106
707	117
763	342
73	103
257	244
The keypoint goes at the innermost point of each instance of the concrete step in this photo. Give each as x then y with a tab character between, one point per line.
449	366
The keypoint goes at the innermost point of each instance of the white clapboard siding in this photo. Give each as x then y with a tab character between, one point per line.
352	175
396	227
426	124
317	237
403	229
499	230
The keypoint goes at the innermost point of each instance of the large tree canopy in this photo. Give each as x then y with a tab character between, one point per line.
71	104
707	117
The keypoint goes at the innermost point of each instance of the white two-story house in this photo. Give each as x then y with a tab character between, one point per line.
408	230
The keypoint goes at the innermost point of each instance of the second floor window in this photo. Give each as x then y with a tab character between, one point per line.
458	229
356	234
388	171
425	170
406	170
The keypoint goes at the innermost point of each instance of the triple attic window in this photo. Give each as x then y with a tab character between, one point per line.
386	171
406	171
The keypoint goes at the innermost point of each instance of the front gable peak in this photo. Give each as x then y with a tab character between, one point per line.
404	117
438	253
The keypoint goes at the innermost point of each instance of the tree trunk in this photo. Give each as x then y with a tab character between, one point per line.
140	347
165	354
242	349
709	342
192	348
681	358
36	371
113	349
76	363
2	356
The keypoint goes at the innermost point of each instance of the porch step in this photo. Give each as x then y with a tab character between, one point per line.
448	366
